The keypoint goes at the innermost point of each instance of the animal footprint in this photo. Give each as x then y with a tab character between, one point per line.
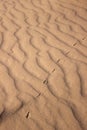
28	115
53	70
74	44
84	38
45	81
58	60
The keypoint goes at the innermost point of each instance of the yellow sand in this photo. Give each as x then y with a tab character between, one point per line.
43	65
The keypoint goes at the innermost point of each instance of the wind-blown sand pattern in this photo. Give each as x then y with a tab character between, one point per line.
43	65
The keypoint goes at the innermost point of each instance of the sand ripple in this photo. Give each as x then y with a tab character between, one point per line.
43	65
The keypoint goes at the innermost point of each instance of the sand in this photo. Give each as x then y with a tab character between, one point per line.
43	65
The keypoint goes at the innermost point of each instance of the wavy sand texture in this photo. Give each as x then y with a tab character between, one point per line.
43	65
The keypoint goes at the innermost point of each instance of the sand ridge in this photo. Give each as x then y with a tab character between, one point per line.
43	65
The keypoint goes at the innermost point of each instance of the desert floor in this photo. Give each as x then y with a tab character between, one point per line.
43	65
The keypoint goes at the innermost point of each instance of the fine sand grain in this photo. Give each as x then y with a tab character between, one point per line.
43	64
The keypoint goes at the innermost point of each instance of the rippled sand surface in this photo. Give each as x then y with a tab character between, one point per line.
43	65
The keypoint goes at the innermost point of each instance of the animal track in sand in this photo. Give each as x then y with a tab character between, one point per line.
43	43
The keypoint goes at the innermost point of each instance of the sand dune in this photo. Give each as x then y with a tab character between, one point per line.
43	65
